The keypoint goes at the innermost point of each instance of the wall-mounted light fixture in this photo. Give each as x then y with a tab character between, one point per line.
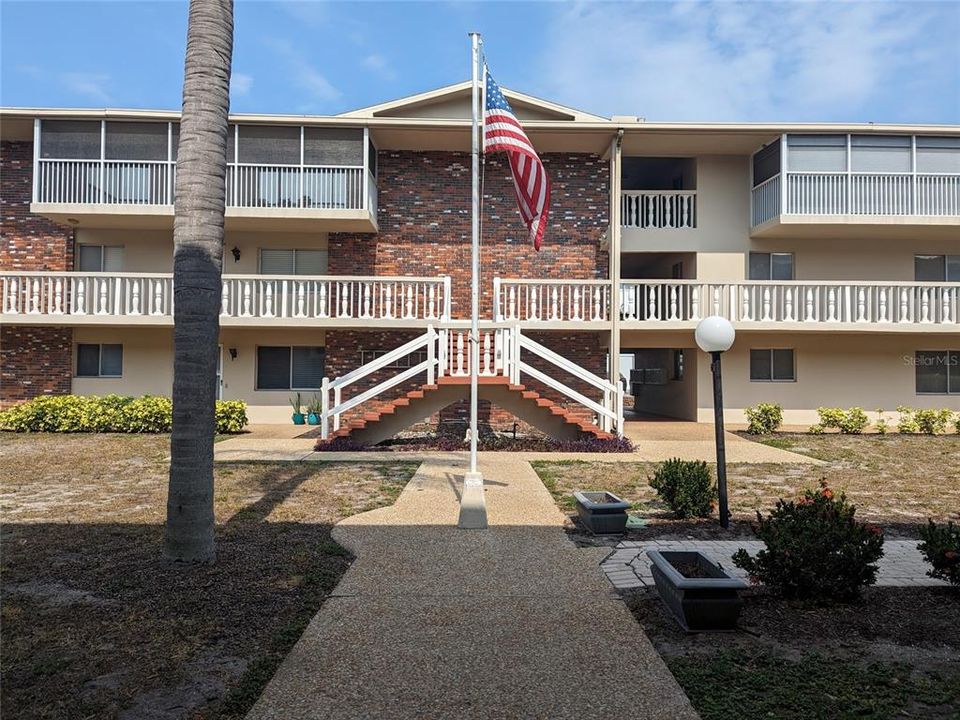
236	253
233	353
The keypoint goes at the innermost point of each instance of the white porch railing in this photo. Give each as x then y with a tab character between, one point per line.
654	301
244	296
447	353
841	193
551	300
658	208
142	182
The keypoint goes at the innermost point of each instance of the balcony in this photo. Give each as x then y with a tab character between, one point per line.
127	299
857	186
750	305
123	174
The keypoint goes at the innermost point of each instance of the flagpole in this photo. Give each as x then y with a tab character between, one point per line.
473	511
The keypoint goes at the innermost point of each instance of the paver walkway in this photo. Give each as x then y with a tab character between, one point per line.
628	566
435	622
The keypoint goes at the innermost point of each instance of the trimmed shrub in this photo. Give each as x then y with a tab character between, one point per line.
816	551
906	424
882	426
851	422
764	418
686	486
956	423
932	422
854	421
110	413
941	548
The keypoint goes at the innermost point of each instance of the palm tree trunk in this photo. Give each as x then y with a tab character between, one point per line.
197	264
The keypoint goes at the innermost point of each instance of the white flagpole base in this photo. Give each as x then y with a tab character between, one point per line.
473	504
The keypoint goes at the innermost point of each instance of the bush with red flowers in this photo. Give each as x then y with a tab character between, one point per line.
941	548
816	551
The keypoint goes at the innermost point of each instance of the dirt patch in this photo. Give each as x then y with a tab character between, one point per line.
95	624
895	653
896	481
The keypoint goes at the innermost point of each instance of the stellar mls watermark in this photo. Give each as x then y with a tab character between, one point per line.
933	359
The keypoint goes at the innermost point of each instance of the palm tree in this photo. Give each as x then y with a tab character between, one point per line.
197	264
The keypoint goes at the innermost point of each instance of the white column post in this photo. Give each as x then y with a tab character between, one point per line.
36	160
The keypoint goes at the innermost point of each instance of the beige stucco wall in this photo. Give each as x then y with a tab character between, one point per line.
723	210
832	370
148	365
152	250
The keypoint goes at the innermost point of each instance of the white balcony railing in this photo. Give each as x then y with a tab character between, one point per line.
131	295
123	182
659	209
656	301
841	193
551	300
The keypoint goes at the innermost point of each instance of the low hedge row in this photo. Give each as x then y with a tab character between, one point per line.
766	418
111	413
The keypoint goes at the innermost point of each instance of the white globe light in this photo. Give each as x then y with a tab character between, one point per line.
714	334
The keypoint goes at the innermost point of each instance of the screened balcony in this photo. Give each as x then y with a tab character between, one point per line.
873	182
92	172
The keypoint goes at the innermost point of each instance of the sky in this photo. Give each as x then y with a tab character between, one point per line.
877	61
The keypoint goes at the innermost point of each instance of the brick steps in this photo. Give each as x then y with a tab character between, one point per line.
402	404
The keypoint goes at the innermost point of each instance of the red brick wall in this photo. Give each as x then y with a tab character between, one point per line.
34	361
27	241
424	219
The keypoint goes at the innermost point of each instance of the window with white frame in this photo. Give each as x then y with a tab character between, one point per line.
936	268
772	365
295	367
937	372
99	360
771	266
293	262
100	258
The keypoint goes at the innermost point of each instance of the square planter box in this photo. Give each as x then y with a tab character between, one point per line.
699	604
602	512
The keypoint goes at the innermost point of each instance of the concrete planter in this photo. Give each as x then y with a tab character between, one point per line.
710	602
602	512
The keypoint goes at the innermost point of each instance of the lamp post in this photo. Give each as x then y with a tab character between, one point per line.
715	335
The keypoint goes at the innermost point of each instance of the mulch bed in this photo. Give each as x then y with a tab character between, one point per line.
895	653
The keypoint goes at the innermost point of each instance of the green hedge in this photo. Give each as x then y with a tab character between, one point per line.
111	413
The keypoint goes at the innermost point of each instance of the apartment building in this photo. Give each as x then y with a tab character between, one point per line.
833	249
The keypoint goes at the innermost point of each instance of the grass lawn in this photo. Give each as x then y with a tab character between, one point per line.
95	624
896	654
897	481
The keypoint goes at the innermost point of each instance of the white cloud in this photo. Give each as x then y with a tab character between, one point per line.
737	61
91	86
240	84
377	64
302	72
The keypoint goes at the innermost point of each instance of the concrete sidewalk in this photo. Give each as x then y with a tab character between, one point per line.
435	622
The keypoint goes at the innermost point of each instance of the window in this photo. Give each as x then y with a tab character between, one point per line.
290	368
817	153
938	372
936	268
100	258
766	163
99	360
772	365
678	364
293	262
771	266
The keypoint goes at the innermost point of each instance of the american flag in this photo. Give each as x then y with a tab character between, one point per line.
502	131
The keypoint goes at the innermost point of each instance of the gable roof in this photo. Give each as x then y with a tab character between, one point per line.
453	102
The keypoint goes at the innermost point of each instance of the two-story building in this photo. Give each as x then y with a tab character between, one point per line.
833	249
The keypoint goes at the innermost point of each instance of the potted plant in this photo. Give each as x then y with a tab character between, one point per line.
298	416
314	408
699	593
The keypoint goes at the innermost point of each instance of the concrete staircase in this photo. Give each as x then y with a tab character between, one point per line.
417	405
